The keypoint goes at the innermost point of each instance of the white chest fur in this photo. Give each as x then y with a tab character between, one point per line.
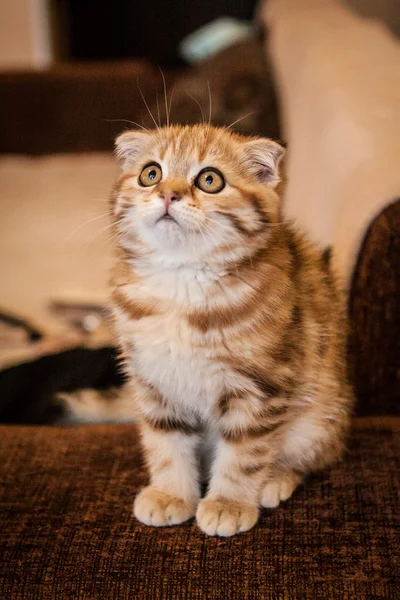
185	374
166	352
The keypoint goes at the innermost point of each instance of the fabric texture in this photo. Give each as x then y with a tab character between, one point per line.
374	307
67	531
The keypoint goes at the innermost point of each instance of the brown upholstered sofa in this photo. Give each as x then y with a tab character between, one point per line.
66	493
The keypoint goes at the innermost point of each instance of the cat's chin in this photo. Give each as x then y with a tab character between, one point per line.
167	233
169	230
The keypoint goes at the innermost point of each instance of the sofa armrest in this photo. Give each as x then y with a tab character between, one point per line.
374	308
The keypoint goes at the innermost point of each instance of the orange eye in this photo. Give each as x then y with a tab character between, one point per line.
150	175
210	180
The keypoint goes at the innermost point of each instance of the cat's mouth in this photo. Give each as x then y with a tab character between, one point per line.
167	218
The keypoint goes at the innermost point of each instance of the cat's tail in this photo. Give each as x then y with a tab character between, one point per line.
113	405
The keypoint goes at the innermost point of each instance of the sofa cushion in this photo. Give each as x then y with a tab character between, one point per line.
67	531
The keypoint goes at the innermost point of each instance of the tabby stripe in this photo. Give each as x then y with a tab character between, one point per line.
326	258
170	424
261	430
116	189
250	260
134	309
291	341
114	194
237	436
299	472
266	387
236	222
296	259
222	317
225	401
164	465
123	179
276	411
252	469
262	217
151	390
128	254
297	316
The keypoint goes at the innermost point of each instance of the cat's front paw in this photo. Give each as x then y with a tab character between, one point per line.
224	517
279	490
155	507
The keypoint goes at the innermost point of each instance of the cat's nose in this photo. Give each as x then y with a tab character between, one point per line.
169	196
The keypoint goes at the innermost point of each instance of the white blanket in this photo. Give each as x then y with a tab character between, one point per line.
54	233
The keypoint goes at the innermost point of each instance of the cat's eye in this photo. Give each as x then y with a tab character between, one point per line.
151	175
210	180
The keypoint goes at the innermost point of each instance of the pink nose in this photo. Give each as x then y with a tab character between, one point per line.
169	196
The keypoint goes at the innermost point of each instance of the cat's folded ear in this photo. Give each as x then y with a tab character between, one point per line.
129	146
262	157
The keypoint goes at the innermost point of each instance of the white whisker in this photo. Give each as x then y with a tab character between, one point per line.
226	127
165	95
128	121
146	105
158	110
209	97
214	233
170	102
203	117
238	120
92	238
100	216
243	280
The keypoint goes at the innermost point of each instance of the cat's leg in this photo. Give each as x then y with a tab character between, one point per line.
237	475
312	441
279	487
170	450
231	504
249	431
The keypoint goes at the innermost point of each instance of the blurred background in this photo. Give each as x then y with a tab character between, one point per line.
68	67
74	74
39	33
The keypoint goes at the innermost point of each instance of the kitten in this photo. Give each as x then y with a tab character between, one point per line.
231	327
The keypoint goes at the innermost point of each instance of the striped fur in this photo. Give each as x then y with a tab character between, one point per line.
231	327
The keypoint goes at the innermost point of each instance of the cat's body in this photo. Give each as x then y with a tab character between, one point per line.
231	328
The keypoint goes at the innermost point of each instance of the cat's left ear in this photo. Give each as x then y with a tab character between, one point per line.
262	158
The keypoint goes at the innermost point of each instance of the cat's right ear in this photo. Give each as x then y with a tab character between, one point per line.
129	146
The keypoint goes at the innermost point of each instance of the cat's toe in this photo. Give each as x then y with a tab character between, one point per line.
159	509
278	490
225	517
178	510
149	507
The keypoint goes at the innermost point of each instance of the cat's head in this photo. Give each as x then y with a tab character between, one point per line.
188	191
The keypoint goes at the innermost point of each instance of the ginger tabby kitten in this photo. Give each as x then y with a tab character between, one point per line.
231	327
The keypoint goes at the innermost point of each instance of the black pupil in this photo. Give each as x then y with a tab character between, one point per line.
152	174
209	179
